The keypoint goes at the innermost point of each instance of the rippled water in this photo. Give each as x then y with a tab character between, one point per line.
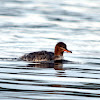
34	25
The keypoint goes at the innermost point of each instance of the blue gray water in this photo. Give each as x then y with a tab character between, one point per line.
34	25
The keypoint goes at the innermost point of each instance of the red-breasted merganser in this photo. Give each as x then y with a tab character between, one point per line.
47	56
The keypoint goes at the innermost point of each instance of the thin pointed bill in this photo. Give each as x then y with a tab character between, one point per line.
67	51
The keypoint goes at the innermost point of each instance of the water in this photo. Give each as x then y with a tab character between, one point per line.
34	25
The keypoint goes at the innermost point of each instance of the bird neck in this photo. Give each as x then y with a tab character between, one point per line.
58	51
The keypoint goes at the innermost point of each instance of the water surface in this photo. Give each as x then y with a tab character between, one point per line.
28	26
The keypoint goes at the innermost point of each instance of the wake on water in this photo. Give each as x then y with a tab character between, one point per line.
58	61
10	59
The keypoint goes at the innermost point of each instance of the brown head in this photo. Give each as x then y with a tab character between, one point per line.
60	48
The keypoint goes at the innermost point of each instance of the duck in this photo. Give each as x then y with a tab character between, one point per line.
40	56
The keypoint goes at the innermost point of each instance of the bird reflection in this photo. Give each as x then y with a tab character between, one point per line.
57	65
